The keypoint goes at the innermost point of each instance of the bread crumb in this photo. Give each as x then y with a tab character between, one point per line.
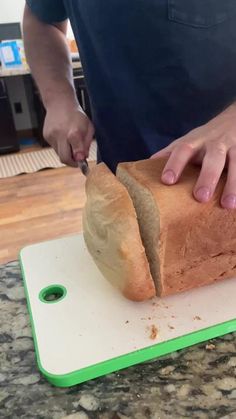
173	317
210	347
127	321
149	318
197	318
170	327
153	332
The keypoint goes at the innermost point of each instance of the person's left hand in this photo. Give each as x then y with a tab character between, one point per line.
212	145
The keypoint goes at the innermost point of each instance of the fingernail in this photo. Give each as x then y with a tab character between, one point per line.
168	177
229	202
203	194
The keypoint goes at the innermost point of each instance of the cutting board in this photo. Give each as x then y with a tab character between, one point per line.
84	328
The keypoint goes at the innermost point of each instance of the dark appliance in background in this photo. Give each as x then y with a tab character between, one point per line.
8	135
10	31
81	91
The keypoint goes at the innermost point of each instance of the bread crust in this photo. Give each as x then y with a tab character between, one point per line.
197	242
112	235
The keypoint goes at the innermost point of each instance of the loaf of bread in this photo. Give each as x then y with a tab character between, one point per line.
187	244
112	235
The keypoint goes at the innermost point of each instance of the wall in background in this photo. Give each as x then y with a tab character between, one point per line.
12	11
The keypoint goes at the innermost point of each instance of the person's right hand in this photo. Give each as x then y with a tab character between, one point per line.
69	131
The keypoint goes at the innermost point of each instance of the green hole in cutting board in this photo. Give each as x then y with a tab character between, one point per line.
52	294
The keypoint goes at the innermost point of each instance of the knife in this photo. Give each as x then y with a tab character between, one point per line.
84	167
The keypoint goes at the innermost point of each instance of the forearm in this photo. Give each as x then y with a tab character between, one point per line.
48	56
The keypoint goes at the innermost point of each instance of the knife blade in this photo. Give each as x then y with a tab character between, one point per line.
84	167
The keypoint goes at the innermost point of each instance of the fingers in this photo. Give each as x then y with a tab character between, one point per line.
212	167
76	141
165	152
228	199
88	139
178	159
80	142
64	152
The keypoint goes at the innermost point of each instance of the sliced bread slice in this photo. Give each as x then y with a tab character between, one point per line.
148	219
112	236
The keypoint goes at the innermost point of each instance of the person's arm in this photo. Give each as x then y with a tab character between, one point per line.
66	126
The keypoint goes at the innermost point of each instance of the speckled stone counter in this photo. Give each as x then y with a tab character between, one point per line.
199	382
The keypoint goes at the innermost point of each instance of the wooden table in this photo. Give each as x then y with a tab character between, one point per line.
40	206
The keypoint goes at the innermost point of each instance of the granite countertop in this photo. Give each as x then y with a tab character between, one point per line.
199	382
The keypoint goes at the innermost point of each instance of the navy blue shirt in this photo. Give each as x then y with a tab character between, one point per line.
154	69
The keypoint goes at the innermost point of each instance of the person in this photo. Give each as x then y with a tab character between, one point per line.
161	76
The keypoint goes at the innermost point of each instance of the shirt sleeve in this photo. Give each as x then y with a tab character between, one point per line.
48	11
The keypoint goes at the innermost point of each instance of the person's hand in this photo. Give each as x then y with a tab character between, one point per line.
69	131
212	145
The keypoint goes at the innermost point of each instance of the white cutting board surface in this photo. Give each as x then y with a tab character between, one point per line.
94	322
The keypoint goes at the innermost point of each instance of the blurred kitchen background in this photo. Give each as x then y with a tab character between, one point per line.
40	198
21	110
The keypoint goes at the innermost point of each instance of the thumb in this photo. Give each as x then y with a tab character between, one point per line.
81	153
88	138
77	146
